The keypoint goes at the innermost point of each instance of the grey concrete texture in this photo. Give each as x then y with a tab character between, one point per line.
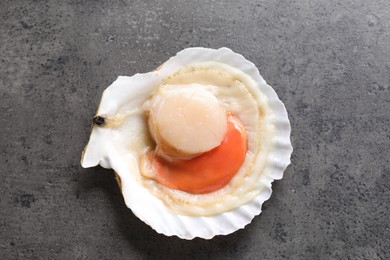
329	62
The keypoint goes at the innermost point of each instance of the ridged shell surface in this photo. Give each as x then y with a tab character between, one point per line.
102	148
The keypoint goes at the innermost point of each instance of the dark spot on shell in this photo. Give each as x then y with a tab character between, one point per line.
99	120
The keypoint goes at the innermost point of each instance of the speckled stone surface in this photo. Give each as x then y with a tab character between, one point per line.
329	62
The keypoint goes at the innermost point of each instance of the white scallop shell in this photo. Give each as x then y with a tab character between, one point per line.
146	206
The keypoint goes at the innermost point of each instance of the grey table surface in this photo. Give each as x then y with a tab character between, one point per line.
329	62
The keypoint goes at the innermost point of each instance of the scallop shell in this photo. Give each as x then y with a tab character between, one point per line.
146	206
